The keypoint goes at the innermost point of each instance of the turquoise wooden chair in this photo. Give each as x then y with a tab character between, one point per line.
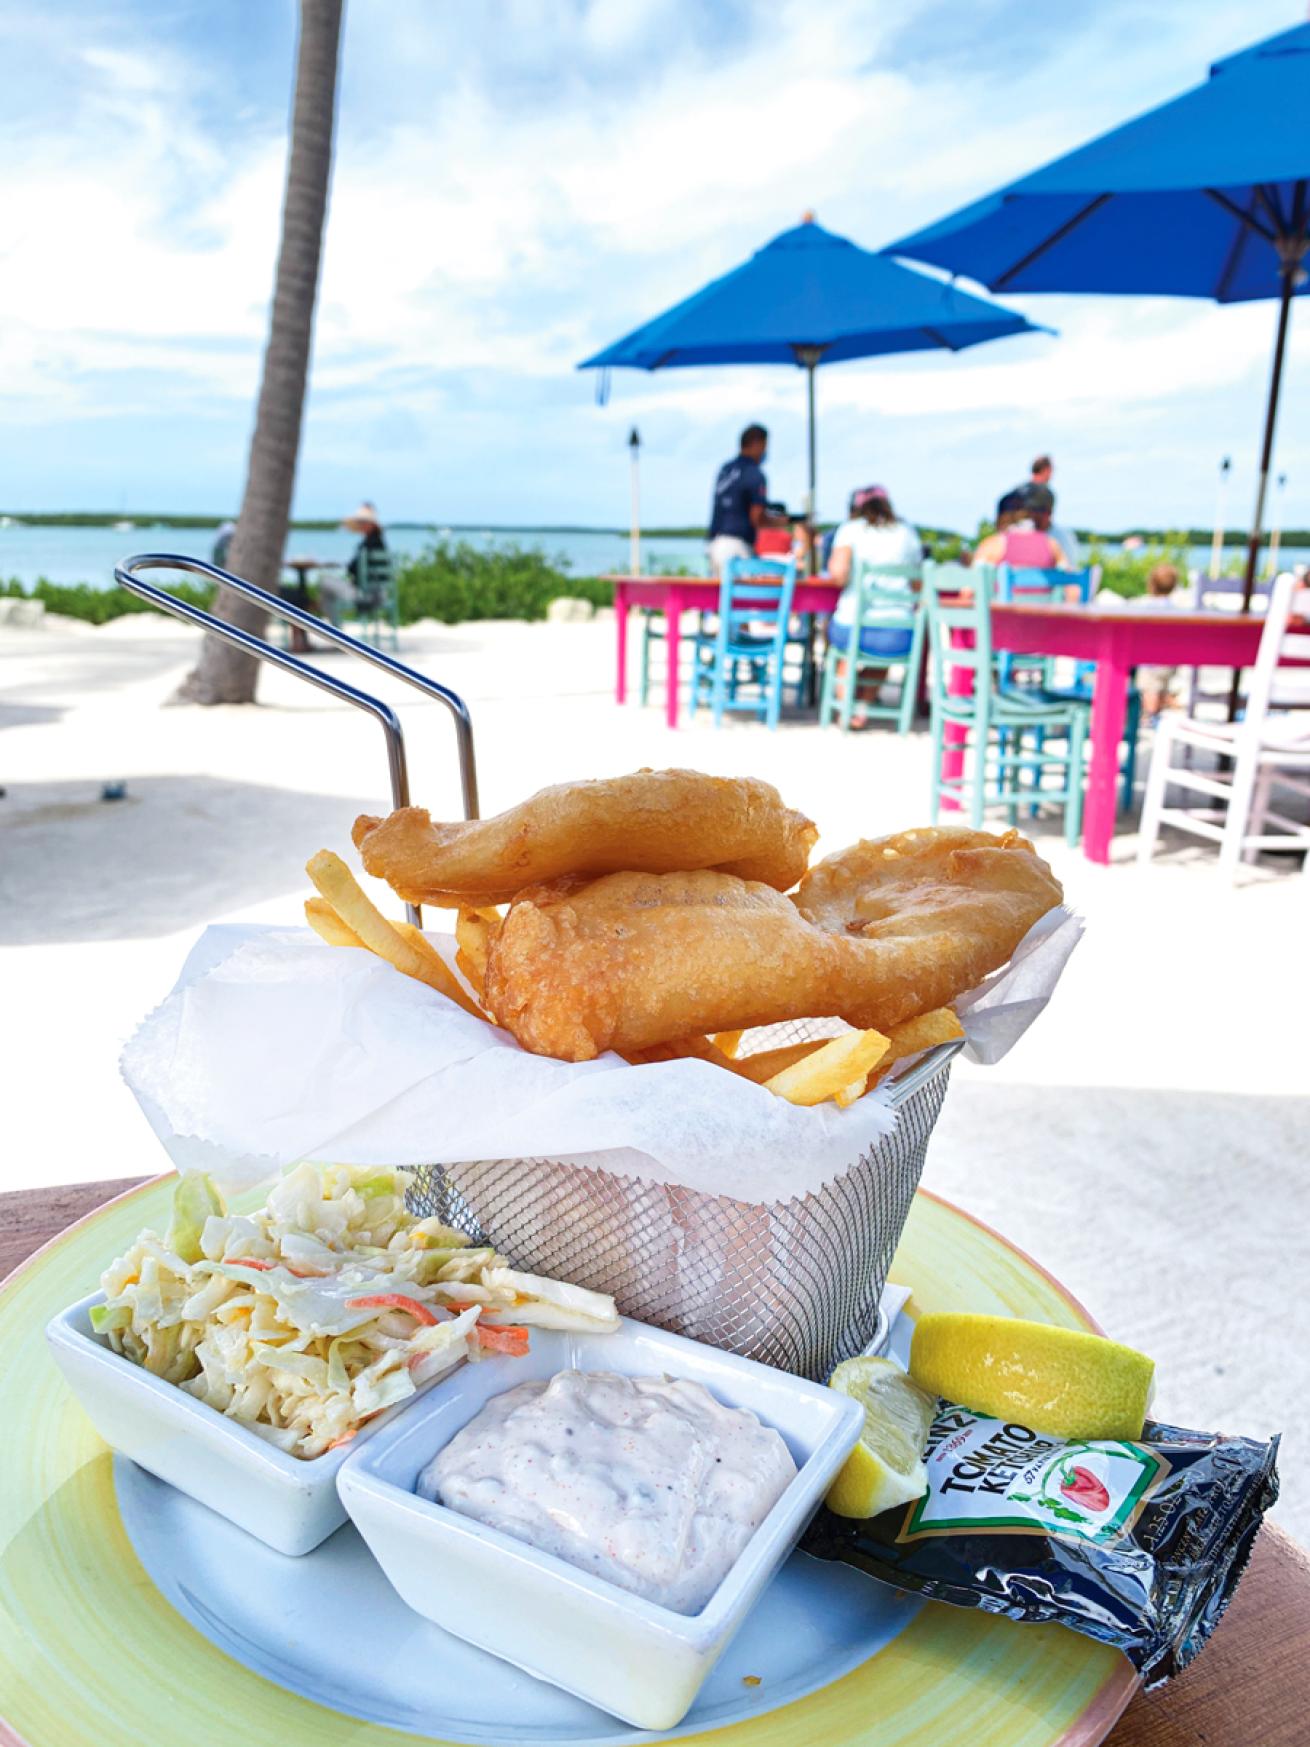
376	606
1000	770
1021	582
1017	583
801	658
653	632
748	647
650	633
886	632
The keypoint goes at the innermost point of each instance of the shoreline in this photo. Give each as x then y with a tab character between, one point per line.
145	522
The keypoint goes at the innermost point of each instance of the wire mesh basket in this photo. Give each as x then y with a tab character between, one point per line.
794	1284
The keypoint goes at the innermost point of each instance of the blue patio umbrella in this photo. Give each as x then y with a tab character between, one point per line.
1205	196
808	298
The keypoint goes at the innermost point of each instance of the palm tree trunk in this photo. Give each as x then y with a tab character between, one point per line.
225	675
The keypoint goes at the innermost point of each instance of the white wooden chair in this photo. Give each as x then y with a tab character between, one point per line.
1267	749
1219	594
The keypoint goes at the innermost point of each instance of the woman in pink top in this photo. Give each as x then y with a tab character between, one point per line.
1021	540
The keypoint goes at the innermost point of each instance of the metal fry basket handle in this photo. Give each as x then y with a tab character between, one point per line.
127	575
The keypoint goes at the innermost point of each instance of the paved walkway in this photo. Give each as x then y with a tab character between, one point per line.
1147	1141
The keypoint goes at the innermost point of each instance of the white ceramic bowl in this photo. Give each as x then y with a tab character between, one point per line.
631	1657
288	1503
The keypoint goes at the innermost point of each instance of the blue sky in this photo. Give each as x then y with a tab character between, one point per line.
519	182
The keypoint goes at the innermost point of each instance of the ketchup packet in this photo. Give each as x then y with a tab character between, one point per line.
1138	1544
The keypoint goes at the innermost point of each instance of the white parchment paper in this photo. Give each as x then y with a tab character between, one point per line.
273	1047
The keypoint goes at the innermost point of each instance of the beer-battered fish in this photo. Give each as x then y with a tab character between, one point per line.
653	821
635	959
949	900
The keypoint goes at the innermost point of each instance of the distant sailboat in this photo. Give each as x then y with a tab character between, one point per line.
124	527
10	522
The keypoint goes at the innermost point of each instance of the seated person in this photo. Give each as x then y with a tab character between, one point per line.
365	523
872	534
773	539
1156	684
1022	538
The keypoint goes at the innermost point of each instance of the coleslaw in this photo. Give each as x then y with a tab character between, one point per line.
327	1306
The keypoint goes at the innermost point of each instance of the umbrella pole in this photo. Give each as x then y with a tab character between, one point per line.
809	400
811	545
1267	450
1292	273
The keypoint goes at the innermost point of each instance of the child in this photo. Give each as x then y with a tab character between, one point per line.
1156	683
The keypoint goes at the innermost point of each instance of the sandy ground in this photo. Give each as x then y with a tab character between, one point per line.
1147	1141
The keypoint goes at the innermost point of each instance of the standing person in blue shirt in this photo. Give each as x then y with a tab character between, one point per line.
740	505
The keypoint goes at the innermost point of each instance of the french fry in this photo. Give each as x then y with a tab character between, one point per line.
335	882
848	1094
728	1043
678	1049
924	1032
474	932
832	1068
438	966
703	1049
325	922
765	1063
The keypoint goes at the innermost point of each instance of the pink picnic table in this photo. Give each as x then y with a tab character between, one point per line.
1117	639
675	595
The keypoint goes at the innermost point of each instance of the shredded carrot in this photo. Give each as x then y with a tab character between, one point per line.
264	1266
394	1301
504	1338
343	1439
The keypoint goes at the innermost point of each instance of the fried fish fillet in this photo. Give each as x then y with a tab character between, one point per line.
653	821
630	960
944	904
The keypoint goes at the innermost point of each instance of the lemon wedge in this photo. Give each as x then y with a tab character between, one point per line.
886	1467
1056	1380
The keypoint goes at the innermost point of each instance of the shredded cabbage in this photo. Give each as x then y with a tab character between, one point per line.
282	1346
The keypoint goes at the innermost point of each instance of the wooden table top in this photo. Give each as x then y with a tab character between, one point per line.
1097	613
1249	1688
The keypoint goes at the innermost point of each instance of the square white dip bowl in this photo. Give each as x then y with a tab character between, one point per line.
633	1658
287	1502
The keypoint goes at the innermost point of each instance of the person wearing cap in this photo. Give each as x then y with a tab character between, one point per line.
871	534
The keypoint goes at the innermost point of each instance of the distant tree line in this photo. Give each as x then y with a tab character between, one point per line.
935	537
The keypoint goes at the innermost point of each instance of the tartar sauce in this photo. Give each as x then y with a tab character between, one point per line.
648	1482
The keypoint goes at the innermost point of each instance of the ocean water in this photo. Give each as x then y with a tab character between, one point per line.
78	554
82	554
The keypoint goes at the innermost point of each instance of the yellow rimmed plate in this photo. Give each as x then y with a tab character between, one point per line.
91	1655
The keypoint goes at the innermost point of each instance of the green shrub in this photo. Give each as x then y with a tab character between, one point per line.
1125	573
78	600
448	582
664	567
454	583
947	548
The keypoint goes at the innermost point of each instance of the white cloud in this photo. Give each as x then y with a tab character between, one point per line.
515	186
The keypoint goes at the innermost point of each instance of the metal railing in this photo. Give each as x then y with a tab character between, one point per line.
127	574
